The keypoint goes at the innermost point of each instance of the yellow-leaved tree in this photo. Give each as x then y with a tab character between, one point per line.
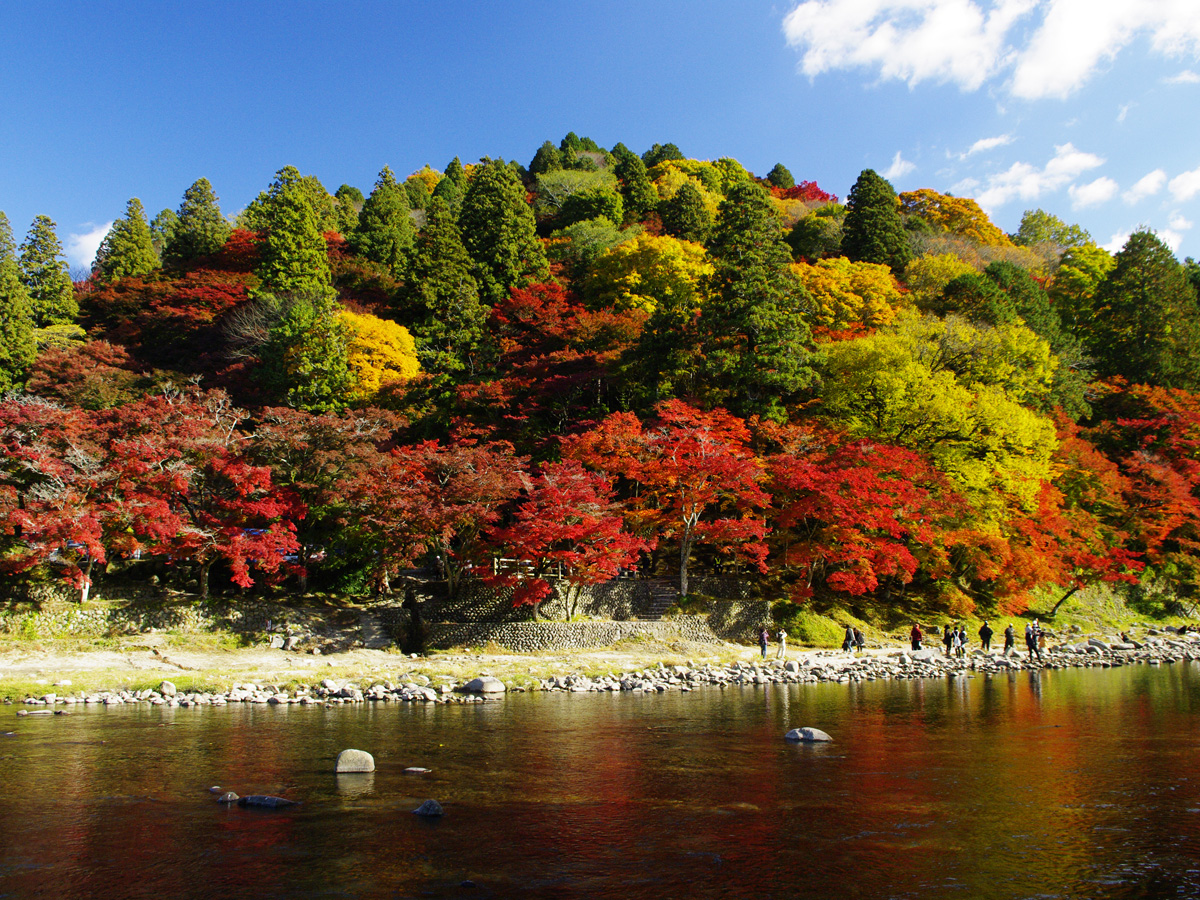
380	353
928	275
958	215
850	296
647	272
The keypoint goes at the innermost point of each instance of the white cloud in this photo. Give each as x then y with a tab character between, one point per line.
1146	186
899	167
1092	194
1117	241
1170	237
1186	186
969	42
1027	182
985	144
81	248
1187	76
1179	223
1124	111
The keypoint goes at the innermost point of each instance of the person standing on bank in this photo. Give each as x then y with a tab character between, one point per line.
1010	638
1031	640
962	639
782	644
915	636
848	640
860	641
985	637
764	637
948	634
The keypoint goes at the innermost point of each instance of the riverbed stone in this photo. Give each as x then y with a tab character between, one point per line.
355	761
265	801
228	797
168	689
485	684
430	809
808	736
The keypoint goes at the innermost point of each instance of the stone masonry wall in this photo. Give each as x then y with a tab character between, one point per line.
527	637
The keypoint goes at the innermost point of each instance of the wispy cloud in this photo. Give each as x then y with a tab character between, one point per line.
1179	223
1026	181
983	145
1185	186
899	167
1092	194
1187	76
1124	111
81	248
1050	48
1146	186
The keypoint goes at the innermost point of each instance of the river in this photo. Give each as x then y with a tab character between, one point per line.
1059	784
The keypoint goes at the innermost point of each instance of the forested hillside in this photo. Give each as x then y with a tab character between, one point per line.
602	361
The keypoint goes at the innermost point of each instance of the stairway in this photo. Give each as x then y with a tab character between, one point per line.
663	595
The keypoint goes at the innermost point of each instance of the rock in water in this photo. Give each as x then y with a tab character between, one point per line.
808	736
355	761
228	797
416	770
486	684
430	808
168	689
265	801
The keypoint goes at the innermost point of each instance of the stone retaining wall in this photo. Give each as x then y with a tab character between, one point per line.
480	603
526	637
58	618
739	620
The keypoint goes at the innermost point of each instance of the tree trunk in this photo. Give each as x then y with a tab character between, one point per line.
1061	600
204	567
86	589
685	553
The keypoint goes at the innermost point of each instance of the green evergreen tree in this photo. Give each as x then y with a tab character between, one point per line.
592	203
452	186
1147	320
162	229
444	296
418	193
127	251
349	202
873	230
661	153
304	360
201	229
18	349
819	234
385	229
780	177
757	348
637	189
685	215
45	275
293	257
499	232
255	216
547	159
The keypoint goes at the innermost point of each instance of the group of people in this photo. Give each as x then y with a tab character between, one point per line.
764	638
954	638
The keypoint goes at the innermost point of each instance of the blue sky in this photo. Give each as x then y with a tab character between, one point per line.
1085	108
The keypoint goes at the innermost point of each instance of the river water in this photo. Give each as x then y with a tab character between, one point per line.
1071	784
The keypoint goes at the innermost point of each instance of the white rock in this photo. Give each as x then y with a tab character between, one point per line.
486	684
167	689
355	761
807	736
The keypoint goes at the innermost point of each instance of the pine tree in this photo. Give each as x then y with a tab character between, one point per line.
127	251
499	232
547	159
758	350
452	186
385	230
685	215
162	229
349	204
661	153
45	275
254	216
201	229
873	230
636	187
306	357
293	258
780	177
18	349
444	296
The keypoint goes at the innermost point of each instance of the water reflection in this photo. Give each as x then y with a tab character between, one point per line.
1070	784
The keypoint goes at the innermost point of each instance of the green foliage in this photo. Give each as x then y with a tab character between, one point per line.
758	350
349	203
18	349
43	271
499	232
636	188
1040	227
661	153
780	177
1146	322
1073	290
255	216
547	159
127	251
819	234
443	296
592	204
685	215
305	357
200	229
293	258
162	229
873	230
580	244
385	230
452	187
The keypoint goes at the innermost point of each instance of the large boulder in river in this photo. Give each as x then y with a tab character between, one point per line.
807	736
355	761
485	684
430	809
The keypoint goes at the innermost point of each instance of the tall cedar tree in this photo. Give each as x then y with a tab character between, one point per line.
1145	325
18	349
385	230
452	186
756	342
254	216
636	187
685	215
201	230
127	251
873	230
444	296
306	356
780	177
499	232
293	258
45	275
162	230
349	204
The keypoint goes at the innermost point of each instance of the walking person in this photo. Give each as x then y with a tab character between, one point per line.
860	641
962	639
1010	638
764	637
948	639
985	637
848	640
1031	640
915	636
782	645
